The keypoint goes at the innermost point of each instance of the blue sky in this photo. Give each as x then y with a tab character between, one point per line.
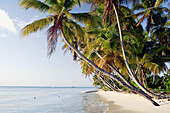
24	61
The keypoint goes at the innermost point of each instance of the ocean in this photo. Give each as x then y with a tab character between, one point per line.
50	100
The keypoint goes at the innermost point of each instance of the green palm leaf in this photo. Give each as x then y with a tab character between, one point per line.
158	2
36	4
87	19
79	31
37	25
51	2
139	14
167	23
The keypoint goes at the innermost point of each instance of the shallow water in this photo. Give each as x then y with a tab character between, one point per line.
50	100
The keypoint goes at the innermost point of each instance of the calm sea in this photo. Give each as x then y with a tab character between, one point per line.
50	100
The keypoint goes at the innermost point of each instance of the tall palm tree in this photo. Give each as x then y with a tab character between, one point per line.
160	33
114	5
143	56
60	16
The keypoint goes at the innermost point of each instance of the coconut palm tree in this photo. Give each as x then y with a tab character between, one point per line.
160	34
60	16
143	56
111	5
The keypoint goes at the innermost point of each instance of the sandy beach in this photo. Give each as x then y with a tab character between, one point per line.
132	103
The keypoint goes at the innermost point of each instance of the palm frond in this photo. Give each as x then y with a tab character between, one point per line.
78	2
79	30
93	32
37	25
69	33
69	4
143	17
52	36
51	2
167	23
139	14
157	49
158	2
36	4
87	19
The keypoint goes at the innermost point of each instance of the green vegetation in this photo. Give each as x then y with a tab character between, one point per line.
114	47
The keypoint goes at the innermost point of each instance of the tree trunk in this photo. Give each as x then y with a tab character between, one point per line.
127	64
115	70
144	78
108	84
106	73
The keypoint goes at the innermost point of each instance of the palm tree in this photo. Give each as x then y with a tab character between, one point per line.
109	5
60	16
160	34
143	57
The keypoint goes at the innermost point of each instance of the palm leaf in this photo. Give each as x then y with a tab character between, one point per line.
51	2
37	25
68	31
167	23
68	4
158	2
52	36
36	4
139	14
87	18
157	49
79	30
78	2
143	17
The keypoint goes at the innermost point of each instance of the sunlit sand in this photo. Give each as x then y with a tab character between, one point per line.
134	102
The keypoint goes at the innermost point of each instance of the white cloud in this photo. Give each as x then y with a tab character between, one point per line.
21	23
3	35
6	22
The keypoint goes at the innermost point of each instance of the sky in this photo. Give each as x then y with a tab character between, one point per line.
24	61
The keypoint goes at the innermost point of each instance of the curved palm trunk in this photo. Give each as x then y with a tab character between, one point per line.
127	64
106	73
115	70
108	84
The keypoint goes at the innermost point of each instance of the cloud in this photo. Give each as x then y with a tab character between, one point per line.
3	35
21	23
6	22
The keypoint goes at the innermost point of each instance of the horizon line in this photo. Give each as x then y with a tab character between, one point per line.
51	86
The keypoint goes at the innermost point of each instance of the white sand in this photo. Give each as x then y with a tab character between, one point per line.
135	103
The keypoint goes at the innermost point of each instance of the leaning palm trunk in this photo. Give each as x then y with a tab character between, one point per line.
117	72
106	73
132	76
108	84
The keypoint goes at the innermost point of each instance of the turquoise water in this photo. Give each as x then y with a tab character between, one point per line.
49	100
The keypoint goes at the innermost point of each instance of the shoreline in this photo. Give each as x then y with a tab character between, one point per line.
132	103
